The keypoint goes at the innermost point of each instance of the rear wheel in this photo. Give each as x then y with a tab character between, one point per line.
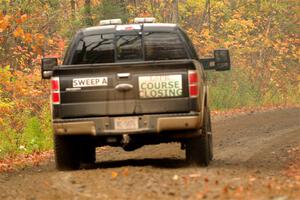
210	137
198	150
71	151
66	152
87	151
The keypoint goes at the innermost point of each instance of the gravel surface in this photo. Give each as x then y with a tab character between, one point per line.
251	154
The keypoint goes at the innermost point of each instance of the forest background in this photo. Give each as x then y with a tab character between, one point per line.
262	35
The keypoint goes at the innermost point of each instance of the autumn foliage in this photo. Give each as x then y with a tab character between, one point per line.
23	96
263	38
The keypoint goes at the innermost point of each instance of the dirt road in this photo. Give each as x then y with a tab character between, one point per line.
251	153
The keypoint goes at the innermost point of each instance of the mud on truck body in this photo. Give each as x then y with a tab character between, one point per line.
130	85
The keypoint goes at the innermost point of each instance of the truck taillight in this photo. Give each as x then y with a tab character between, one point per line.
55	90
193	83
55	83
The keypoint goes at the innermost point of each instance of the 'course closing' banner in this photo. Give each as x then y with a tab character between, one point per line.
160	86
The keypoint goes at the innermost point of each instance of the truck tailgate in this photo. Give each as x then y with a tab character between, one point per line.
124	89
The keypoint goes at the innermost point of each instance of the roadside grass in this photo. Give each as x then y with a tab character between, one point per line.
234	89
36	136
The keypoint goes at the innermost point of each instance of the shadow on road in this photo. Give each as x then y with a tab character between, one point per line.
154	162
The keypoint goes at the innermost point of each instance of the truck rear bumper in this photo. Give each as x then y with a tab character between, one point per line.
146	124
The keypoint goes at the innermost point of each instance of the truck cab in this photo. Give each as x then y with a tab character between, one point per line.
130	85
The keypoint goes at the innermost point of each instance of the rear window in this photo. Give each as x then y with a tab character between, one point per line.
110	48
129	47
95	49
163	46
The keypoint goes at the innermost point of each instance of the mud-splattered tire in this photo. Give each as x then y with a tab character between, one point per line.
66	152
210	137
198	149
87	151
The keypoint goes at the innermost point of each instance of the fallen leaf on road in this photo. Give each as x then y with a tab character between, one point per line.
194	175
225	189
114	174
252	179
175	177
126	172
186	180
23	160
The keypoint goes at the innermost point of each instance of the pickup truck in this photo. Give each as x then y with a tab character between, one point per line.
129	85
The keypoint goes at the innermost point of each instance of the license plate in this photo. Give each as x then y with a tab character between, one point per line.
126	123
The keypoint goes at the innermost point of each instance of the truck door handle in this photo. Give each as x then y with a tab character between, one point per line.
123	75
124	87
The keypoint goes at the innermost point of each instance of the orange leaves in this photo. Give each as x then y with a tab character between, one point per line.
7	21
61	44
293	169
22	19
124	173
17	24
28	38
40	40
19	32
4	22
58	45
114	174
22	92
39	36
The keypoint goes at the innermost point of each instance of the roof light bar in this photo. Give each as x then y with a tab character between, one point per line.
110	22
128	27
144	20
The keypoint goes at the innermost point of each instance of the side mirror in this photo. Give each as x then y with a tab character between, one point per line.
222	60
47	67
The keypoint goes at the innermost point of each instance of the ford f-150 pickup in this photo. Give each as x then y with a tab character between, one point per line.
130	85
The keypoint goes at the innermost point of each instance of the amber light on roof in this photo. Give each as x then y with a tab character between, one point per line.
144	20
110	22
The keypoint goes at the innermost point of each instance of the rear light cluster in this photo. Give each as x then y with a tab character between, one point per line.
55	90
193	83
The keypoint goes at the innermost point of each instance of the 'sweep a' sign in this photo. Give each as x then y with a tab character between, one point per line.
160	86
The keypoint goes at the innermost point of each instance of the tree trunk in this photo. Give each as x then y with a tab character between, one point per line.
73	8
122	4
206	12
175	15
4	7
88	13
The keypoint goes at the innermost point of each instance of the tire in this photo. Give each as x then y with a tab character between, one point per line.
210	137
198	149
87	152
66	152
